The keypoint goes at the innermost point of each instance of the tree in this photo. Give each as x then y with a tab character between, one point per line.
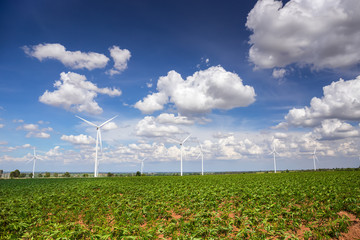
85	175
40	175
138	174
67	174
109	174
22	175
47	174
56	174
30	175
15	174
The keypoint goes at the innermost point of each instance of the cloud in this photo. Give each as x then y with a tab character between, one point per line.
18	121
341	100
148	127
120	57
75	60
2	125
279	73
109	126
29	127
76	94
152	102
54	152
38	135
79	139
34	131
332	129
166	118
323	34
205	90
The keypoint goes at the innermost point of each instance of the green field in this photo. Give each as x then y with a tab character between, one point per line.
253	206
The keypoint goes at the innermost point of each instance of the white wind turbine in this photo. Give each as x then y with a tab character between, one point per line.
202	159
181	152
142	165
274	152
315	159
34	160
98	140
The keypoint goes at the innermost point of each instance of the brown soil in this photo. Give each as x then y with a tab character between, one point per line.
174	215
354	229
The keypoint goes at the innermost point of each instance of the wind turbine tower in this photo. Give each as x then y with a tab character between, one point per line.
274	152
181	152
202	159
34	159
142	166
98	140
315	159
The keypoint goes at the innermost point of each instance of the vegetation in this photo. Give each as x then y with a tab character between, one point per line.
15	174
66	174
238	206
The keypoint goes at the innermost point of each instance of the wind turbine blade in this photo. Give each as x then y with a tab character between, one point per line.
185	139
92	124
107	121
198	156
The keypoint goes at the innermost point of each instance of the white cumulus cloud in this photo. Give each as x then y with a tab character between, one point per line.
332	129
279	73
120	57
109	126
76	94
205	90
166	118
76	59
148	127
38	135
78	139
341	101
319	33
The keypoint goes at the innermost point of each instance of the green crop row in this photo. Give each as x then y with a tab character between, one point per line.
254	206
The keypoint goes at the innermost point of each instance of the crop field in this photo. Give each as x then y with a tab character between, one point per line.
298	205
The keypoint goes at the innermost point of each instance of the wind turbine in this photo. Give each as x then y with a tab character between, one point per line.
315	159
34	159
202	159
142	165
98	140
181	152
274	152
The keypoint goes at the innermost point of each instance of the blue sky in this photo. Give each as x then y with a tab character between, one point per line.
239	76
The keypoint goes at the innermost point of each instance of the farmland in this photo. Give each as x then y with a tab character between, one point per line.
305	205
